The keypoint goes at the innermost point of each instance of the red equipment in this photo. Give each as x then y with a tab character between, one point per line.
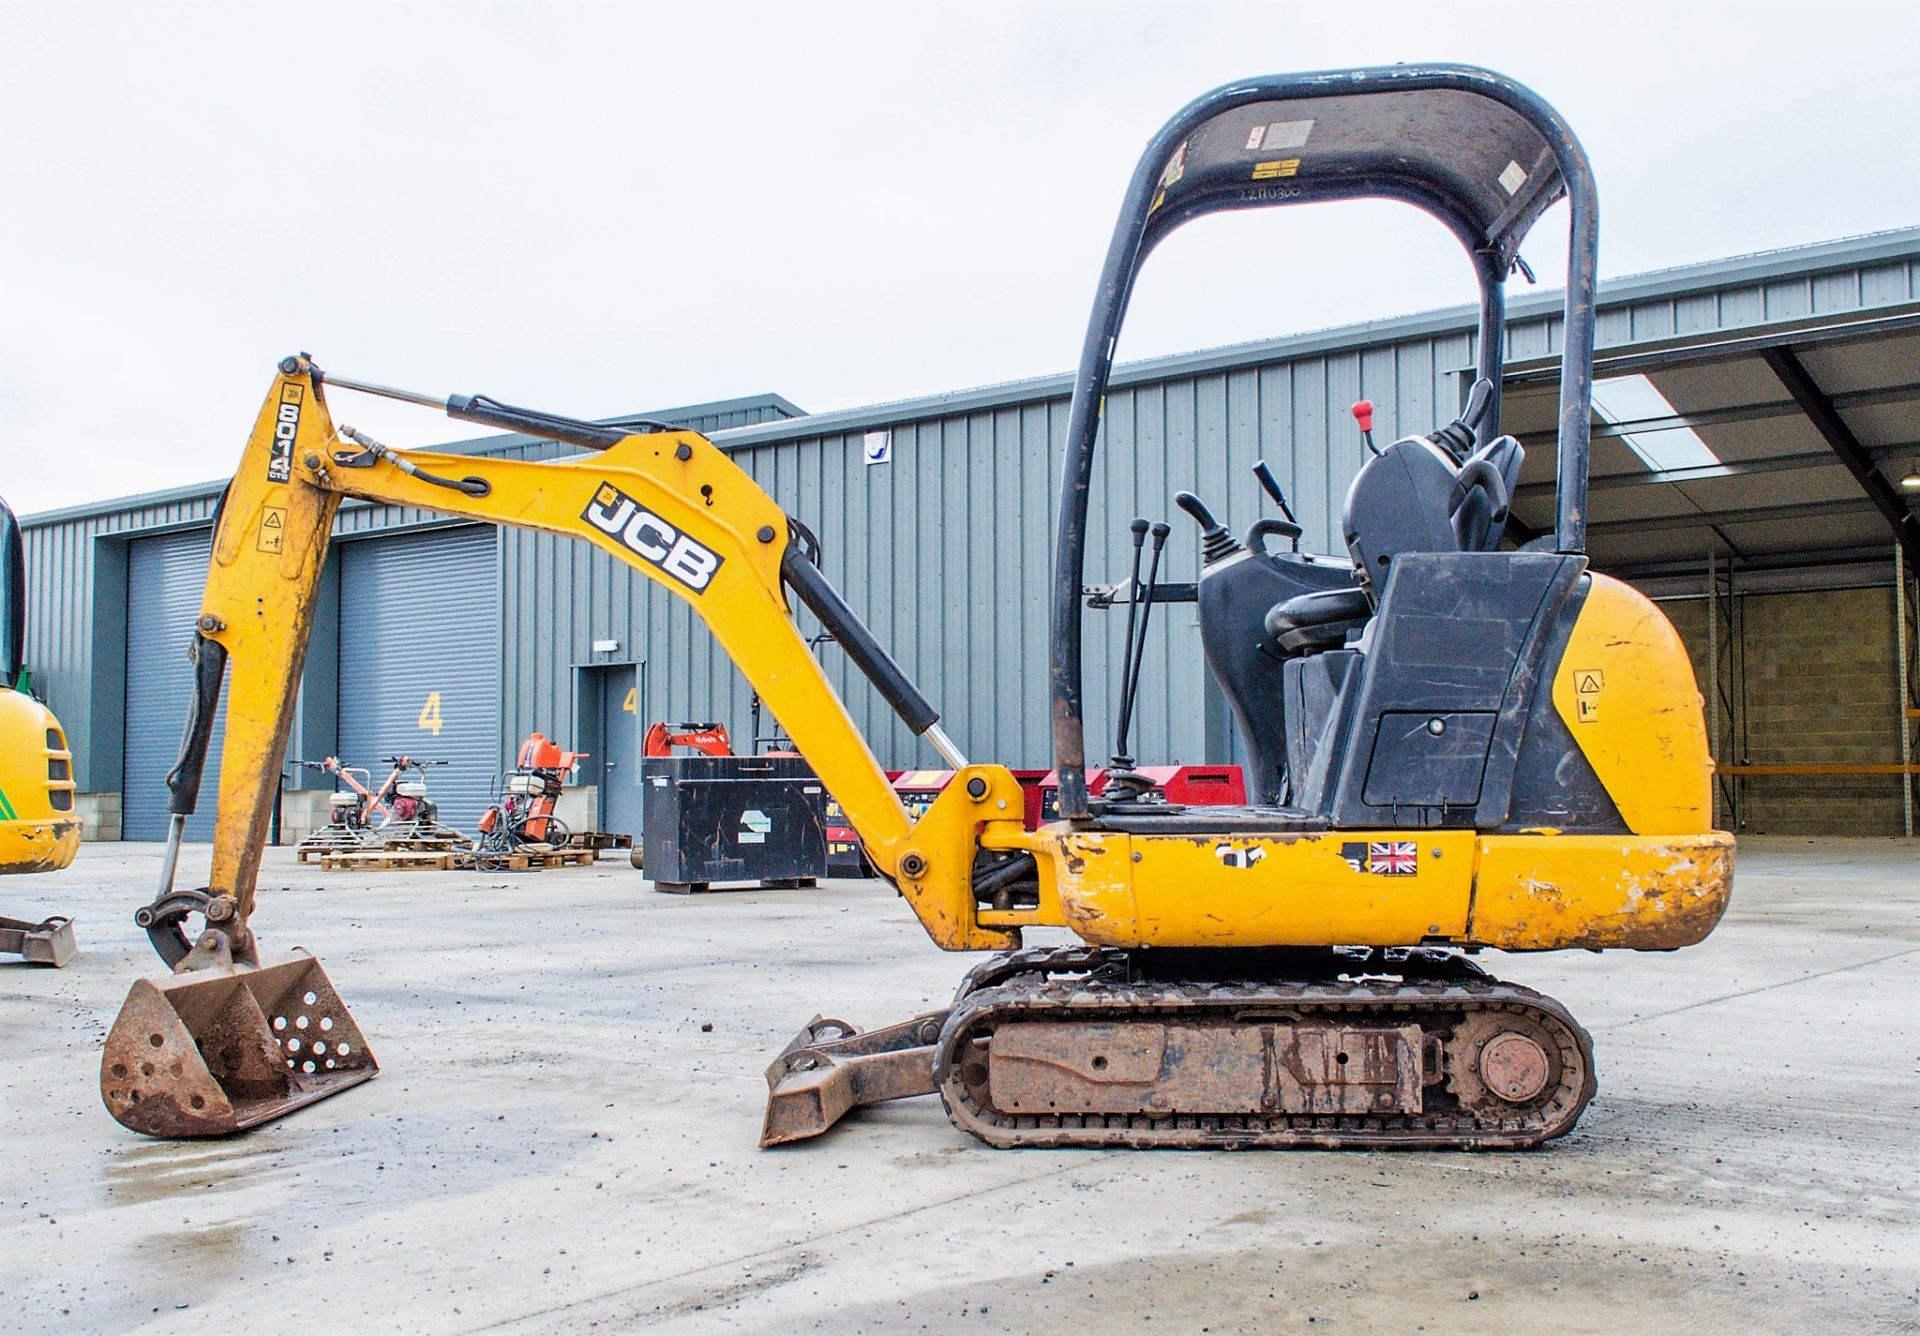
710	739
918	789
1187	785
524	814
1184	785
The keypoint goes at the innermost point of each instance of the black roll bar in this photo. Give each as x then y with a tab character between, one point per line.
1427	174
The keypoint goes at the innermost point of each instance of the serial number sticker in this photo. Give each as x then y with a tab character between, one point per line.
1279	135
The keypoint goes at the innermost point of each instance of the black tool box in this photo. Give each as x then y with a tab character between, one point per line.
711	819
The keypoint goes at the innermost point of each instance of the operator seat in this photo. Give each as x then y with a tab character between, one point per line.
1417	495
1398	503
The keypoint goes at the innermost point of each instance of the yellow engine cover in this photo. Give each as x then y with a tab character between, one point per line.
39	831
1627	694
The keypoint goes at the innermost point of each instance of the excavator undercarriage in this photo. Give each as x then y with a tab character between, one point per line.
1099	1047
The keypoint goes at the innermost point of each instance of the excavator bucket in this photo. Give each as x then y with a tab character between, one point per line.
220	1049
48	942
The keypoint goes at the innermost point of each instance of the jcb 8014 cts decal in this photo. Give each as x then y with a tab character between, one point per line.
651	538
286	425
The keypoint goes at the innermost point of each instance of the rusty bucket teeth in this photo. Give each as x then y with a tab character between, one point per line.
212	1051
831	1068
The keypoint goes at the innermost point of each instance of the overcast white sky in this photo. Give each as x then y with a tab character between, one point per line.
596	209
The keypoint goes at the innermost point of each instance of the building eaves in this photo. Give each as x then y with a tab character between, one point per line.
1683	280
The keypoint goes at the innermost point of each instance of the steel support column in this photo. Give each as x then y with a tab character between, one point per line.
1903	708
1820	410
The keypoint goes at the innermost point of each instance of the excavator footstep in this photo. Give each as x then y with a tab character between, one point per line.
831	1068
212	1051
48	942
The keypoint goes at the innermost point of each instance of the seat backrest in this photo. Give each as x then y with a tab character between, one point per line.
1481	519
1400	502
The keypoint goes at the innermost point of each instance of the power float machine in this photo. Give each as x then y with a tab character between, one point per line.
1455	743
523	813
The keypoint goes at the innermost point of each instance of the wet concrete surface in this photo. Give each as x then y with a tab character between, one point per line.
557	1144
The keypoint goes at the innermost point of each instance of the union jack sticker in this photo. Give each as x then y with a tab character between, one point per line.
1384	858
1393	858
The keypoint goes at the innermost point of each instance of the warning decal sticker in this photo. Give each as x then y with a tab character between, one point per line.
273	529
1587	683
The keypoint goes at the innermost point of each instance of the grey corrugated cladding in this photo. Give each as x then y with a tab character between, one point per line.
946	551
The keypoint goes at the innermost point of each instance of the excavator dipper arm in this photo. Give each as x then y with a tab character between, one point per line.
669	503
234	1037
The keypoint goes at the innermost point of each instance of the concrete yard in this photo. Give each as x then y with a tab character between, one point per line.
557	1143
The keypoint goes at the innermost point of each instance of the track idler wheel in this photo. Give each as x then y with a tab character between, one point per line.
1515	1064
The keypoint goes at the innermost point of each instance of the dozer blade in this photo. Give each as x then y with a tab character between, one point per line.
48	942
831	1068
220	1049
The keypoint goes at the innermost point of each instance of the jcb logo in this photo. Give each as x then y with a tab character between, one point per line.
648	536
286	425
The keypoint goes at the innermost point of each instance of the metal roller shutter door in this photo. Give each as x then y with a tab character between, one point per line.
166	577
420	660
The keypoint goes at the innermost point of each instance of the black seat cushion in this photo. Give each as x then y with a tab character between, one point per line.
1321	620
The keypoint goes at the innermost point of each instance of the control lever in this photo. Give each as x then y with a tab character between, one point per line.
1139	527
1463	433
1288	528
1362	411
1216	543
1271	485
1138	649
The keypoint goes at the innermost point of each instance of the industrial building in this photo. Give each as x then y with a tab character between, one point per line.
1753	425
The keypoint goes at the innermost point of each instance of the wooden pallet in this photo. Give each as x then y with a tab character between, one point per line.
455	860
435	845
389	860
312	853
600	840
526	860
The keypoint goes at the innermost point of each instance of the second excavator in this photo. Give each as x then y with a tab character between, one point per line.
39	830
1457	744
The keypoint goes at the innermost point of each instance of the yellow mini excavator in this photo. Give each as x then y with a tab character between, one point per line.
1455	744
39	831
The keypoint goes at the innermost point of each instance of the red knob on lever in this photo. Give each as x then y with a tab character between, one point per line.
1363	414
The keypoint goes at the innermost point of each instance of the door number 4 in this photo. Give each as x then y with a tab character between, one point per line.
430	714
